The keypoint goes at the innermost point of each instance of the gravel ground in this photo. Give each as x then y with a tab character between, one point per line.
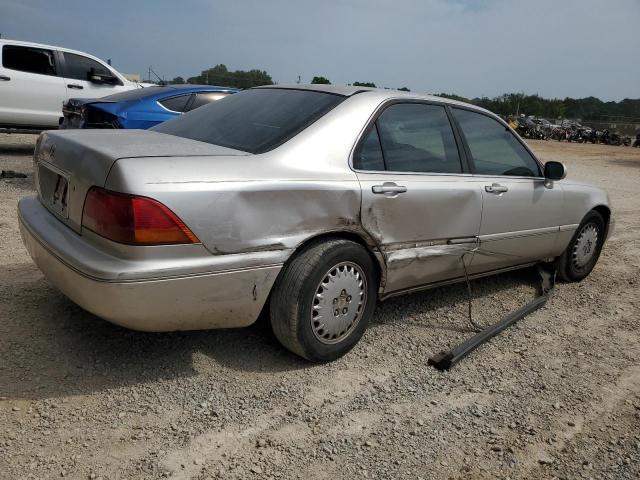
558	395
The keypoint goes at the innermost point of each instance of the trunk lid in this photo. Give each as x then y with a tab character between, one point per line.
69	162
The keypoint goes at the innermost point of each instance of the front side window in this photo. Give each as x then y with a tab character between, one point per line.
176	104
255	120
28	59
494	148
82	68
410	137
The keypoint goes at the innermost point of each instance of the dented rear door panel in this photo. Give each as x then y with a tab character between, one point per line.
423	232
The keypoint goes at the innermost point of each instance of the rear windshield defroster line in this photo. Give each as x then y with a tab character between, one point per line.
253	121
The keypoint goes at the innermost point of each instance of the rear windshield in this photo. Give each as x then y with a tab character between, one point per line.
253	121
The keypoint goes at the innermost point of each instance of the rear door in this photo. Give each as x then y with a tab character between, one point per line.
521	212
418	203
31	90
78	70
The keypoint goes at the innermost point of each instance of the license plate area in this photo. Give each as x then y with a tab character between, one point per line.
53	188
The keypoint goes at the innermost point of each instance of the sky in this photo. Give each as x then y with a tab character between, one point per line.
469	47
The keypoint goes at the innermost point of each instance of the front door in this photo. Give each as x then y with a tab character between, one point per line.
418	204
78	71
521	212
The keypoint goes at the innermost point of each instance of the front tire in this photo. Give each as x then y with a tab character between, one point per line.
580	257
324	299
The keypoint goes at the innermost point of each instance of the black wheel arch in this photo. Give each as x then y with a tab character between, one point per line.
605	212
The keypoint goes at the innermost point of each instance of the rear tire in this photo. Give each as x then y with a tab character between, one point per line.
323	300
583	251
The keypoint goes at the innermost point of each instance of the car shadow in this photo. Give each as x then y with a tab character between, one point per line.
17	149
23	183
49	347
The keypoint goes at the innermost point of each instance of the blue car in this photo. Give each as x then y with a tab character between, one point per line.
140	108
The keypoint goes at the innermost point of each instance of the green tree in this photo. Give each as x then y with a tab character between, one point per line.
452	96
320	81
178	81
404	89
364	84
220	75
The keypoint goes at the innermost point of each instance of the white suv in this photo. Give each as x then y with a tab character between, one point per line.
36	79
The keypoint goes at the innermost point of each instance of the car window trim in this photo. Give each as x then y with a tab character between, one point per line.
29	47
507	128
373	119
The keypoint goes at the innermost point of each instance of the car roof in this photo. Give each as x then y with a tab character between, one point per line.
381	93
344	90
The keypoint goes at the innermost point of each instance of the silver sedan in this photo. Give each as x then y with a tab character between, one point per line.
308	202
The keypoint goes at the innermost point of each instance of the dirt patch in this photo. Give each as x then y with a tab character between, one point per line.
558	395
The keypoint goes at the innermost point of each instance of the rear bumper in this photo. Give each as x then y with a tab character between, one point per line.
229	298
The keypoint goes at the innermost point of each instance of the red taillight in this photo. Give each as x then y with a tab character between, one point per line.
132	219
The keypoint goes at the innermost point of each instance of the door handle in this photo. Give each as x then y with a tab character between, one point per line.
5	78
75	85
389	189
496	188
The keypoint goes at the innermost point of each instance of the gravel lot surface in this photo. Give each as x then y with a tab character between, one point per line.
558	395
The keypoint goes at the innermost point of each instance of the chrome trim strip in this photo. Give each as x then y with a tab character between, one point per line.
519	233
569	228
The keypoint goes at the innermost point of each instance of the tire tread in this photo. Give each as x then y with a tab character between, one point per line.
287	293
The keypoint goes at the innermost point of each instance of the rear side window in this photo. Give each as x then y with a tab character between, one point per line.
27	59
204	98
410	137
176	104
494	148
368	156
81	68
255	120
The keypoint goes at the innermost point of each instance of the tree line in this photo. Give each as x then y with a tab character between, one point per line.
590	108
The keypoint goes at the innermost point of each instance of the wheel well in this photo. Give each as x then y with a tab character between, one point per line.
354	237
606	215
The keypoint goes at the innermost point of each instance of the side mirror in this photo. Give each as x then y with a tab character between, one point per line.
554	171
101	77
